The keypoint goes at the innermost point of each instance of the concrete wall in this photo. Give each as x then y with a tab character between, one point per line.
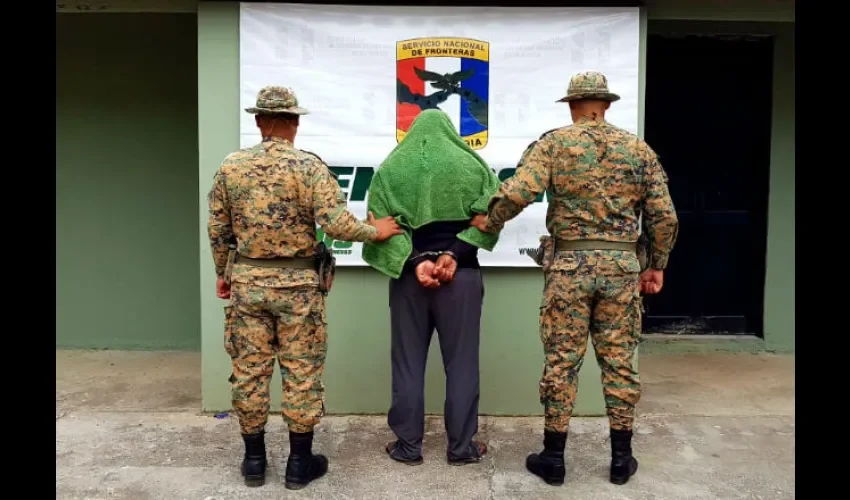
126	177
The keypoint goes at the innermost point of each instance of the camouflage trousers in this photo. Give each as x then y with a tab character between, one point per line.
264	323
596	293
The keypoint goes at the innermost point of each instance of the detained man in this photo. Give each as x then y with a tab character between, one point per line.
433	184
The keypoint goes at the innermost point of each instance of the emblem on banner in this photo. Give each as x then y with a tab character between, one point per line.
451	74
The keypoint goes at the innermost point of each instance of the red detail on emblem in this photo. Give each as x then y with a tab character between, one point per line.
406	113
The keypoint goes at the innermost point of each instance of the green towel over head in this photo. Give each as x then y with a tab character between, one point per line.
431	175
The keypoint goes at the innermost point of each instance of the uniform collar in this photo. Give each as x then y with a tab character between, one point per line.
590	122
274	140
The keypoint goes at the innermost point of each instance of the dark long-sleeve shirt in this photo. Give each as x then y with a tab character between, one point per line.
441	237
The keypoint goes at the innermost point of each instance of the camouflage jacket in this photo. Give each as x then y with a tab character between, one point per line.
268	199
599	179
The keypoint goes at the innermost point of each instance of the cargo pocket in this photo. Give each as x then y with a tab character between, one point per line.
546	321
564	262
228	332
545	385
321	316
541	319
318	324
629	265
637	318
324	311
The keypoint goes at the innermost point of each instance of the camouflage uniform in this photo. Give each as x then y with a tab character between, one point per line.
267	199
599	179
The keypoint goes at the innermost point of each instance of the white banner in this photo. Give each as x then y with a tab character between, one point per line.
350	65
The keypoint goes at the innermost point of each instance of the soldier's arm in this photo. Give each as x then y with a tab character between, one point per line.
219	225
660	219
530	179
331	211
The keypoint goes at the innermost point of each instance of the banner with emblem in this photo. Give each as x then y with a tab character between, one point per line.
366	72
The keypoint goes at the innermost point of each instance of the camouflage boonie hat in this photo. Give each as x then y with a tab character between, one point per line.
275	100
589	85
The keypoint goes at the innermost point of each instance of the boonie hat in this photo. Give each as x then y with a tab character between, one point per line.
589	85
274	100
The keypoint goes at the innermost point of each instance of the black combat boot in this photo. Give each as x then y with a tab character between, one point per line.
549	464
623	464
302	466
254	463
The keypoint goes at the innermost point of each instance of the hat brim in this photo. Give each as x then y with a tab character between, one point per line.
603	96
294	110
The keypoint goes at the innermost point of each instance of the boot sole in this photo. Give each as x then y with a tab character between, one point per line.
550	481
621	480
255	481
290	485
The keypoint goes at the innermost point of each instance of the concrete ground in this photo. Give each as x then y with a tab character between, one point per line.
711	426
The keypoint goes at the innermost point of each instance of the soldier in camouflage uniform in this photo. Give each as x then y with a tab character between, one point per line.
266	201
599	180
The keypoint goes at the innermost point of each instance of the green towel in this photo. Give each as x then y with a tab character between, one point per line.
431	175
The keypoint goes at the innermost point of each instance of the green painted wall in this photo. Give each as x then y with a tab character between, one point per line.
779	316
357	373
775	11
126	177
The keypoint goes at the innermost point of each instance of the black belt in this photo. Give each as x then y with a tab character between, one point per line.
567	245
282	262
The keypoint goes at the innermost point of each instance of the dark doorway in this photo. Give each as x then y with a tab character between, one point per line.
708	116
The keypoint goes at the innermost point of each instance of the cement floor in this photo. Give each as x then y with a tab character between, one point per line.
711	426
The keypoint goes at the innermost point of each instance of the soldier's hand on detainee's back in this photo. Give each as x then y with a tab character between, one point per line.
386	226
222	289
651	281
425	271
479	222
